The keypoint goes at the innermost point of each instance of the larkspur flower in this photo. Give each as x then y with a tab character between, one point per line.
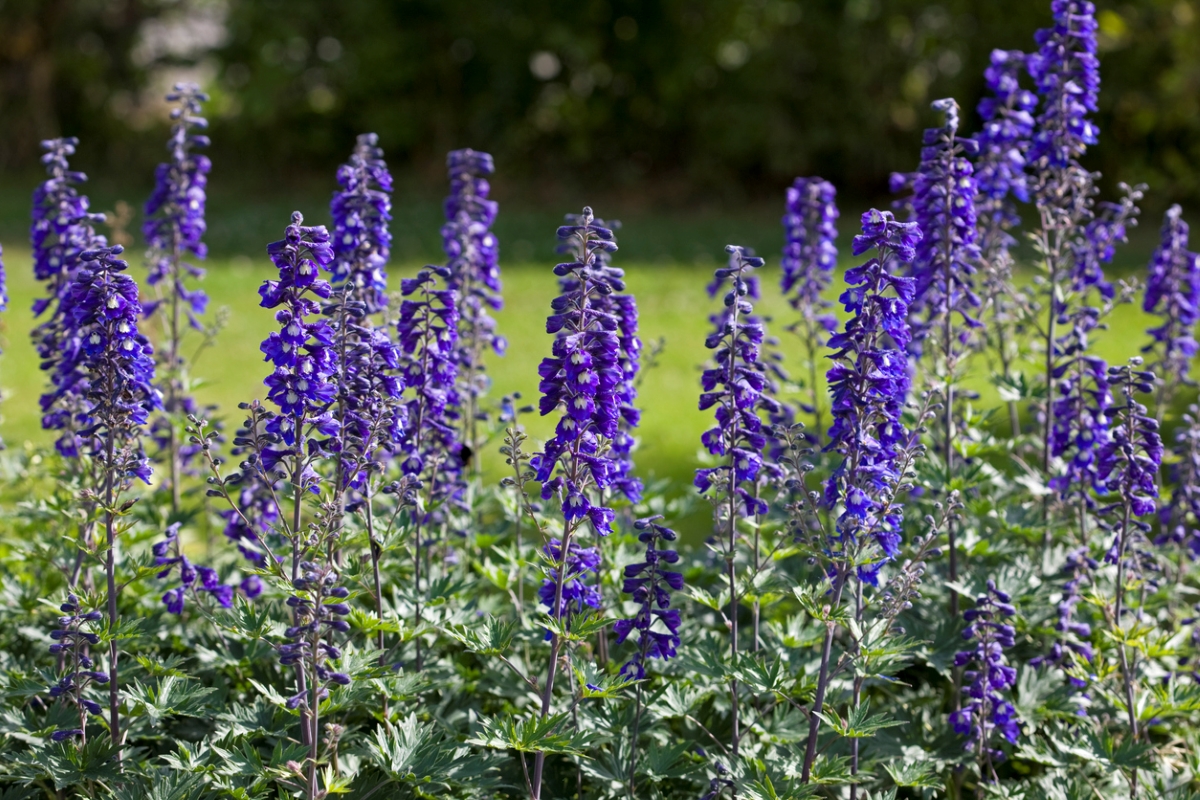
302	382
582	377
869	384
1004	139
649	583
987	710
1173	295
1081	405
361	210
735	388
577	594
1130	459
1066	72
369	385
473	260
1179	518
944	266
622	307
1071	651
62	230
72	642
809	252
169	555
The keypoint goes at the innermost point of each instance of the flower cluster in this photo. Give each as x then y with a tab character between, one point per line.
987	711
1066	72
943	205
869	384
71	645
1096	245
368	386
111	363
62	230
809	252
1004	139
318	607
650	584
169	555
581	376
1173	295
1071	650
473	260
428	333
1080	408
175	223
361	211
1130	460
736	387
577	594
302	383
1179	519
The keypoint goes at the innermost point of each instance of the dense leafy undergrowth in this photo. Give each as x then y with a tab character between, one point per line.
904	595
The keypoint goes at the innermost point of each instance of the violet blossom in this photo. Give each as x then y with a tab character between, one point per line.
649	583
1173	295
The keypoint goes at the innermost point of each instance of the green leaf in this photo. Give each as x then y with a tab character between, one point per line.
172	696
551	734
494	639
914	774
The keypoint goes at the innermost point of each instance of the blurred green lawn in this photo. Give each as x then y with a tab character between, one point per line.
671	297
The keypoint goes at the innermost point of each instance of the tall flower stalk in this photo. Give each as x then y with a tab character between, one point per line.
580	379
116	364
869	383
473	260
174	229
734	388
369	381
809	256
1172	295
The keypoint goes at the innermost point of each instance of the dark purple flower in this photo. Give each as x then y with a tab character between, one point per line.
361	210
62	230
582	377
169	555
737	388
986	709
317	611
1066	72
809	252
649	582
577	594
1071	652
1179	519
1173	294
869	384
473	260
1004	139
1129	461
305	363
72	643
1081	405
943	206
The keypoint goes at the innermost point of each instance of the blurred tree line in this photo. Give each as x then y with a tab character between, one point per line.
668	97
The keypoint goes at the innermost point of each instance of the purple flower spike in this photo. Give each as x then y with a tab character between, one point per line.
986	711
650	583
1179	519
582	377
1173	294
869	383
943	204
1066	72
577	594
361	210
473	260
809	254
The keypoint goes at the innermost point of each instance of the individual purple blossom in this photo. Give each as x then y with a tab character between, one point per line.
301	352
577	594
62	230
809	252
869	383
192	578
72	643
1173	295
987	710
735	386
649	583
361	210
473	260
943	207
581	377
1066	72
